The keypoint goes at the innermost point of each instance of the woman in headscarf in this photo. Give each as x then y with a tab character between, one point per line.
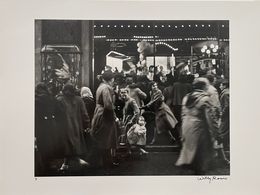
164	118
46	129
199	128
74	121
103	130
89	101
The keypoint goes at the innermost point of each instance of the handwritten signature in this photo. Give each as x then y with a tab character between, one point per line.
211	178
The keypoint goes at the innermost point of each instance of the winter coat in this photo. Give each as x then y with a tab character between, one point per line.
199	128
224	101
74	121
180	89
130	112
214	100
47	131
164	118
90	106
103	128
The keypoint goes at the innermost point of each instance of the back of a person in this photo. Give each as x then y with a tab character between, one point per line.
193	113
137	95
180	89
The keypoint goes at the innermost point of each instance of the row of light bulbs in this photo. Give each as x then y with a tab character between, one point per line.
150	26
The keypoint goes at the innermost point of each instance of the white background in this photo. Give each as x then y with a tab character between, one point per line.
17	96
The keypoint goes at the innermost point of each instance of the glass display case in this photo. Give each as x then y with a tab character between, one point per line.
60	64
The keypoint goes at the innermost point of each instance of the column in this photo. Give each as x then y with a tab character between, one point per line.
87	42
38	45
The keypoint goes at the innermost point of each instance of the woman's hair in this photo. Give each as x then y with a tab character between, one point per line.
69	90
152	83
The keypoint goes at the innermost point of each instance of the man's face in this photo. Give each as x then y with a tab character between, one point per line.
124	95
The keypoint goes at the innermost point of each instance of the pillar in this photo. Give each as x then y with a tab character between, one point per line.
87	43
38	45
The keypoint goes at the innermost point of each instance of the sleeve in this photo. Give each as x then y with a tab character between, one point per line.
107	99
84	115
156	98
141	94
225	103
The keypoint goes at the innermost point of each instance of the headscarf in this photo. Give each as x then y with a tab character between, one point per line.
86	92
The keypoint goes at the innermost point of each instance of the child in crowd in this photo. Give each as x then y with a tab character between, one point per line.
136	135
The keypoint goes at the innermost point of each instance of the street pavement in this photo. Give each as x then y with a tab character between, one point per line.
155	163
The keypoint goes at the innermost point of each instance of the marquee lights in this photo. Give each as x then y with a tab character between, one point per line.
151	38
156	25
166	44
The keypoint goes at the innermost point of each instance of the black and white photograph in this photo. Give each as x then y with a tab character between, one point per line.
131	97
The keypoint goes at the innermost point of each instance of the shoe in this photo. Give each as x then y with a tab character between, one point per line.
152	142
83	163
142	151
64	167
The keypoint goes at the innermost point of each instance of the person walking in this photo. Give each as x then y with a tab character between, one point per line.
199	128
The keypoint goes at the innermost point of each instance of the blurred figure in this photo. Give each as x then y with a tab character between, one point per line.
199	128
46	128
75	121
164	118
89	101
103	130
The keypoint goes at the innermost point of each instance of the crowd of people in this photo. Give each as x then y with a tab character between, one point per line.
87	130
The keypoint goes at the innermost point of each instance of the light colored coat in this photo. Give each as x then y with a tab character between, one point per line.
103	124
199	128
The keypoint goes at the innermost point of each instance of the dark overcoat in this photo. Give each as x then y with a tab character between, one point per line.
74	121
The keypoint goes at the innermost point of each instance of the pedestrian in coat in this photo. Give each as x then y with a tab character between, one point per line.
103	130
199	128
164	118
46	128
224	125
75	121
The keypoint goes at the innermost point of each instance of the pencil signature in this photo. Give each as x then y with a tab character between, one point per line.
212	178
